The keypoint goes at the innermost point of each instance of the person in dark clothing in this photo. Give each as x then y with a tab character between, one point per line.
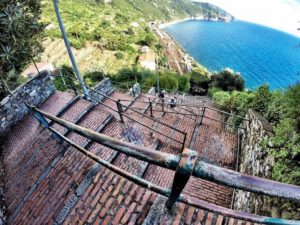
173	102
161	95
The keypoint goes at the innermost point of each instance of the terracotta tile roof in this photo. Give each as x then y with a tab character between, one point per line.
52	183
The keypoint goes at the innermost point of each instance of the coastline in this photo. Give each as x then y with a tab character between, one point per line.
199	18
174	52
166	24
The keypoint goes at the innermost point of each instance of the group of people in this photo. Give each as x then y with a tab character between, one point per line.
173	100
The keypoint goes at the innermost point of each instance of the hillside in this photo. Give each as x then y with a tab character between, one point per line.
211	11
101	29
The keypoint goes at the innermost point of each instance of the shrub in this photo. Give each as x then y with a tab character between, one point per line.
91	78
168	81
227	80
212	91
77	43
222	98
293	103
119	55
68	74
262	99
183	83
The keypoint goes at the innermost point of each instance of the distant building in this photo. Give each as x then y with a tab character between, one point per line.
147	60
145	49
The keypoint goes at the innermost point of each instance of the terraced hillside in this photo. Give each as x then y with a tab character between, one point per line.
99	30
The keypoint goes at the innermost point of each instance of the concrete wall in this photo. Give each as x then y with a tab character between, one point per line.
255	161
34	92
104	87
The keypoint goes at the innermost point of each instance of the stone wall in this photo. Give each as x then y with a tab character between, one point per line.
104	87
254	161
34	92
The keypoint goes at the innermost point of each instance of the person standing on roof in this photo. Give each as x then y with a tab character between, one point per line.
161	96
173	102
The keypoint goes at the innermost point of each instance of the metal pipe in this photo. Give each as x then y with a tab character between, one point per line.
120	111
222	122
202	116
173	112
123	114
140	181
252	184
227	113
95	99
152	129
235	214
151	108
127	107
166	192
202	169
69	50
162	159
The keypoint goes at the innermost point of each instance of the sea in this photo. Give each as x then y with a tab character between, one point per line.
262	55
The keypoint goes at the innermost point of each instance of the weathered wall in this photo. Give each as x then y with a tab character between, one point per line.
255	161
34	92
104	87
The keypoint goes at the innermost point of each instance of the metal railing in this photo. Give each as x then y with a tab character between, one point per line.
150	106
122	114
186	165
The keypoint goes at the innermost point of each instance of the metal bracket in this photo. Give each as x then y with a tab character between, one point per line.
183	173
45	123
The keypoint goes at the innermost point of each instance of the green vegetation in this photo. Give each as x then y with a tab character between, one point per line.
111	34
20	40
167	79
64	81
281	109
116	26
227	80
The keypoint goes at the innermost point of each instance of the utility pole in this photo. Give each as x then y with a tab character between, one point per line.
69	50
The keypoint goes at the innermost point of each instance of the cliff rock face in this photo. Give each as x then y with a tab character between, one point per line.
254	161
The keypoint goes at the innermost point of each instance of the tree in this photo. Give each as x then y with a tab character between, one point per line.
227	80
262	99
20	38
293	101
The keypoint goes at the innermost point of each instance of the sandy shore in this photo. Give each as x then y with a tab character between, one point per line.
164	25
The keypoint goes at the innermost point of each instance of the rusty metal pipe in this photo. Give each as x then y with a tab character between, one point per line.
144	183
230	124
162	159
173	112
180	142
202	169
252	184
235	214
227	113
123	114
167	125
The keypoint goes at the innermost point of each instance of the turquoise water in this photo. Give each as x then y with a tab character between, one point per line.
261	54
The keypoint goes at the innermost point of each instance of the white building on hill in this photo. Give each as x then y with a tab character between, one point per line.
147	60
